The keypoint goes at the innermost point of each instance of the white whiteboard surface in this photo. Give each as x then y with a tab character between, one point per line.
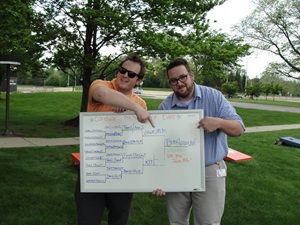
120	154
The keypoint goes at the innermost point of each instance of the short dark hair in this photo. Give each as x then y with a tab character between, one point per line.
136	59
178	62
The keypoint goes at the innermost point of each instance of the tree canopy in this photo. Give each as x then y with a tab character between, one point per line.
76	37
215	57
17	38
274	27
78	32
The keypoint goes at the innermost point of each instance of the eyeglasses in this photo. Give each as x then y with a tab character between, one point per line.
130	73
174	81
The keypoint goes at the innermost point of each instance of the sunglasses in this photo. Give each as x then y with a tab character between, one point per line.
130	73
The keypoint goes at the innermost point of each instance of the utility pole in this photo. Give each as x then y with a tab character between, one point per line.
246	77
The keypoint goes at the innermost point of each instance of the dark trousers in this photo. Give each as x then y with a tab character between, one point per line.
90	206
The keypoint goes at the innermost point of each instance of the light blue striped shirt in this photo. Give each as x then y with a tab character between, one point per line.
214	104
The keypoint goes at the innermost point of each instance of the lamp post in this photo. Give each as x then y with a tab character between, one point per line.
8	60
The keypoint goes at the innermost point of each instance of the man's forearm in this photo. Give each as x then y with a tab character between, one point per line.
231	127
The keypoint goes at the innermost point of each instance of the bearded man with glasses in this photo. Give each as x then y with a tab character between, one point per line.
220	119
113	96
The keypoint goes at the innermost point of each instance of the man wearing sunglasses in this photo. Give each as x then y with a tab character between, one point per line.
113	96
220	119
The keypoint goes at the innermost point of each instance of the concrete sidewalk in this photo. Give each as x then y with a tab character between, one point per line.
17	142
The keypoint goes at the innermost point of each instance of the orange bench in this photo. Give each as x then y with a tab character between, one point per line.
75	158
236	156
233	155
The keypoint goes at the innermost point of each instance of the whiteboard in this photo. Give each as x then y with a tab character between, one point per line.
120	154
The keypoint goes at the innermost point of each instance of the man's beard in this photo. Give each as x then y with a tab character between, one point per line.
187	92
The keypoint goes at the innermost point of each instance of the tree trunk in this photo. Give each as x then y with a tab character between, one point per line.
84	98
89	58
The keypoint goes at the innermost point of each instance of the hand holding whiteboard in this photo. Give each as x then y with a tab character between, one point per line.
119	154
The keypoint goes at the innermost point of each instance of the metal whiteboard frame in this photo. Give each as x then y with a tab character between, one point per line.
120	154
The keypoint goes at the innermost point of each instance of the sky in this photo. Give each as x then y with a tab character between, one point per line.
230	13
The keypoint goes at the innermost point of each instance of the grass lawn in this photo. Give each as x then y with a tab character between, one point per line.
37	183
37	186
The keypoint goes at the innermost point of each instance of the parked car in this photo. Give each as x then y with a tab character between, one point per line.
236	96
137	91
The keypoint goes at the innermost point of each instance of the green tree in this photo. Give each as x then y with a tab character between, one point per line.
289	86
53	80
274	27
282	70
276	90
230	88
18	36
231	77
79	32
268	87
239	80
244	81
254	90
155	75
215	57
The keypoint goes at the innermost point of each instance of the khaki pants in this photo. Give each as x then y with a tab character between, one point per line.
208	206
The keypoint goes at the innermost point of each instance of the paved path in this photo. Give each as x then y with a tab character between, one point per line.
266	107
164	94
17	142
